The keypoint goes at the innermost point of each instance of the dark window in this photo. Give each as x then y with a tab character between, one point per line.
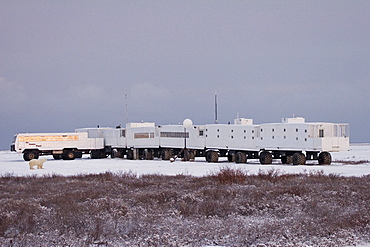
175	134
321	133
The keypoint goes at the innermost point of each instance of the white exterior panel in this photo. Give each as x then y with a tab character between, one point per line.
173	136
197	137
142	135
230	136
296	135
113	137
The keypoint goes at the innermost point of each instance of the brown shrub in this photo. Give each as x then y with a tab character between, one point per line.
228	208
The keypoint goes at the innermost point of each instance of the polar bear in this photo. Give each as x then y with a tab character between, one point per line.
39	163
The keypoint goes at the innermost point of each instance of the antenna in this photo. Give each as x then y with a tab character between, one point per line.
126	110
216	118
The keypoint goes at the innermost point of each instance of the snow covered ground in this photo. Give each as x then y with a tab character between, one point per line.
12	163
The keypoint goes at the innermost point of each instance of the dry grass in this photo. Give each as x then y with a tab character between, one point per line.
228	208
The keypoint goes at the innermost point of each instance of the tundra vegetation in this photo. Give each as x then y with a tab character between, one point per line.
228	207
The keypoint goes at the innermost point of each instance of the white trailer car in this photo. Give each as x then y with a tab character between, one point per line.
291	141
66	146
114	141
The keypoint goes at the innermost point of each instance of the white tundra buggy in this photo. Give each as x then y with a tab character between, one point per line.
67	146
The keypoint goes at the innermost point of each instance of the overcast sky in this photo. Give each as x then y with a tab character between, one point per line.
67	64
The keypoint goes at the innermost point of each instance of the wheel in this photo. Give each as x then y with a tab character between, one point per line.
324	158
166	154
117	153
130	154
265	158
114	153
212	156
30	155
240	157
299	159
185	155
287	159
68	155
192	155
148	154
231	157
57	156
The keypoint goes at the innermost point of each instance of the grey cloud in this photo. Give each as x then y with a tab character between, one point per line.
65	65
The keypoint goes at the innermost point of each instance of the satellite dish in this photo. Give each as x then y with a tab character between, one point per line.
187	123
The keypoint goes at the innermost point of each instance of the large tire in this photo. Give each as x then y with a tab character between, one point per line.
69	155
192	155
287	159
185	155
266	158
324	158
212	156
130	154
148	154
166	154
117	153
114	153
231	157
30	155
299	159
240	157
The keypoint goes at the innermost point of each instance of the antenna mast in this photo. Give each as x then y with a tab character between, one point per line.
216	118
126	110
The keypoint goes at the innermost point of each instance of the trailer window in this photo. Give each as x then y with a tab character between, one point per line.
201	132
321	133
143	135
123	133
175	134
